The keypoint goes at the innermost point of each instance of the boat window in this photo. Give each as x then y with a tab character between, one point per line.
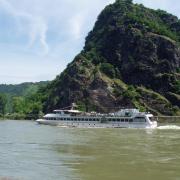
126	120
130	120
118	120
122	120
152	119
114	120
139	119
75	119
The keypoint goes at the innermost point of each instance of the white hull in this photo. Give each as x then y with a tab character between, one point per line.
97	124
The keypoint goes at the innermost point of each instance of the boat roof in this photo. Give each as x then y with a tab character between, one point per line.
70	111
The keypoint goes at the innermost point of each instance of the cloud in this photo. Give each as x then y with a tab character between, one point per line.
76	24
34	27
172	6
38	30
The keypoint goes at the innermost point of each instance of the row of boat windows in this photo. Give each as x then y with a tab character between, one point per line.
109	119
73	119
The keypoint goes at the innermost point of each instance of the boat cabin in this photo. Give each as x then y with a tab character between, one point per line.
67	112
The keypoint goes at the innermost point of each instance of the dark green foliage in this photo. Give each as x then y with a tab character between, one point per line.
177	87
23	100
21	89
131	93
3	102
108	69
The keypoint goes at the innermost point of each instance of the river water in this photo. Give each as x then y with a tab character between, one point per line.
36	152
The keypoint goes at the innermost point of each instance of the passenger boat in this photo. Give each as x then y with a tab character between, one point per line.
125	118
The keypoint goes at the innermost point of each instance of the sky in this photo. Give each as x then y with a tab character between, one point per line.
38	38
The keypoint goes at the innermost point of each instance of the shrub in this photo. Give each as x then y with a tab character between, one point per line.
108	69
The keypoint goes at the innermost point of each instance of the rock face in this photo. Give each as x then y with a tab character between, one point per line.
131	58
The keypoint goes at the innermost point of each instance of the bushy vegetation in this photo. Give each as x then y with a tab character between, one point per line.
108	69
21	89
131	93
3	101
177	87
22	101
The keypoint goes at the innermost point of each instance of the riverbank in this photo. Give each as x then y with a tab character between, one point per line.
16	116
168	119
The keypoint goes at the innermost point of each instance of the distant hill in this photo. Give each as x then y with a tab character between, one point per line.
18	98
21	89
131	58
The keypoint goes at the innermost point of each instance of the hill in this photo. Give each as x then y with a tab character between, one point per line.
131	58
21	89
18	98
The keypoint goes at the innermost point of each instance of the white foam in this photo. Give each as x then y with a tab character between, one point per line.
169	127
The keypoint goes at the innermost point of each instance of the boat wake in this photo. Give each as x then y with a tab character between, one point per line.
175	127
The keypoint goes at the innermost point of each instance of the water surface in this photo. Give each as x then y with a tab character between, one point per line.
29	151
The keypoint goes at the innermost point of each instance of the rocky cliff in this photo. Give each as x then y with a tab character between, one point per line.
131	58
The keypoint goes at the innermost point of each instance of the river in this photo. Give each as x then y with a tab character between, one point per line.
36	152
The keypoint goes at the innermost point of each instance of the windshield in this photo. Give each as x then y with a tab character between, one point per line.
153	118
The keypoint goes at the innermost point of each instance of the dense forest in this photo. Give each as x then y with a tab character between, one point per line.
17	101
131	59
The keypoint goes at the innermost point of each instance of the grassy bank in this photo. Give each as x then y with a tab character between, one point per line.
18	116
169	119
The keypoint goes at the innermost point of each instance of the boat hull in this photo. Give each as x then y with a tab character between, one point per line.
96	125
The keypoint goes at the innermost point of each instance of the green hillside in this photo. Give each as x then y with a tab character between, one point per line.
21	89
131	58
17	100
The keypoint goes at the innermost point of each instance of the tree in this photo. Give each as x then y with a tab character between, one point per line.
108	69
125	1
3	102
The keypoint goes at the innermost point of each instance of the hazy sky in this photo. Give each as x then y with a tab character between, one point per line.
38	38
